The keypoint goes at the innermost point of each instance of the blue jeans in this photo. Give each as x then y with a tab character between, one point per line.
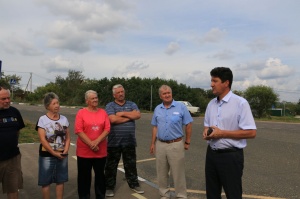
52	170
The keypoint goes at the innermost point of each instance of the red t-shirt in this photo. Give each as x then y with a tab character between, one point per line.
92	124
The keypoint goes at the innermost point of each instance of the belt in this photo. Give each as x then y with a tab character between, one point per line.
226	150
171	141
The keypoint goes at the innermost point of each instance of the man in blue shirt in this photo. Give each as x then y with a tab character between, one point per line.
230	119
168	142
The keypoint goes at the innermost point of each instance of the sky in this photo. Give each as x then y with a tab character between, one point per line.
170	39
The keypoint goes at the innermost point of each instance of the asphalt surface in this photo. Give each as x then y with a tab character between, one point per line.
272	161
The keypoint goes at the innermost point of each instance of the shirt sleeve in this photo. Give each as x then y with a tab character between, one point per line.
79	122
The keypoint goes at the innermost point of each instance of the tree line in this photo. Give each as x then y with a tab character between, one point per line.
142	91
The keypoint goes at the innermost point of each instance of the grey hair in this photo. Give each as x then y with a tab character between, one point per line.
164	87
48	98
116	86
4	88
87	93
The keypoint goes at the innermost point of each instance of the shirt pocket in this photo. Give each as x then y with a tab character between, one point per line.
176	117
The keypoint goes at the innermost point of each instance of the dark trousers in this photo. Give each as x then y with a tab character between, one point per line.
129	162
84	178
224	170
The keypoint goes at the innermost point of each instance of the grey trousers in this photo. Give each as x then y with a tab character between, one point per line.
170	157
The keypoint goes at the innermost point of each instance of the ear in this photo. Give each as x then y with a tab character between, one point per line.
226	83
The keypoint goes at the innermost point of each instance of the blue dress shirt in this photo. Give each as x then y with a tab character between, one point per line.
169	121
231	113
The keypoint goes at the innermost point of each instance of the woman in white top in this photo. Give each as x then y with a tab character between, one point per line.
53	159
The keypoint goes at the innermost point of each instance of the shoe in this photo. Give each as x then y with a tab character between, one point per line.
137	190
109	193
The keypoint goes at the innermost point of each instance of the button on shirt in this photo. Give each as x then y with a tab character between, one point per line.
231	113
169	121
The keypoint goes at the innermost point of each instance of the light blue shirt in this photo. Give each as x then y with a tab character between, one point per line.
231	113
169	121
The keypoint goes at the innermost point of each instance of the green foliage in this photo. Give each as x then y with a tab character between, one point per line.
143	91
261	98
4	83
28	134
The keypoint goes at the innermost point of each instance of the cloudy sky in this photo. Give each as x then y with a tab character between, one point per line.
171	39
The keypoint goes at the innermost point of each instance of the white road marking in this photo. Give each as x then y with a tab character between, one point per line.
138	196
189	190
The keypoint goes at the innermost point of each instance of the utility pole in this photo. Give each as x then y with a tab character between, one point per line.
151	100
30	80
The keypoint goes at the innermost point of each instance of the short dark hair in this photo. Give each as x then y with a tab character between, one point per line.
223	73
48	97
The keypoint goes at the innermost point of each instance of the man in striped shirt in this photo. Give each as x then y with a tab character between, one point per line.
121	141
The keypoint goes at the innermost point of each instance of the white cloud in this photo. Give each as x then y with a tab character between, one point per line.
213	36
101	38
16	44
225	54
87	22
60	64
275	69
134	69
172	48
258	45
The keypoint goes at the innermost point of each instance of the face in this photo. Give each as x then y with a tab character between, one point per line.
219	88
92	100
119	94
56	127
54	106
166	95
4	99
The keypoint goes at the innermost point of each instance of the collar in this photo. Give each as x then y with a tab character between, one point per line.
172	104
225	98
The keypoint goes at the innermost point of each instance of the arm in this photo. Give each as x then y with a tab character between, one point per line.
133	115
152	146
100	138
236	134
46	145
122	117
188	134
68	141
85	139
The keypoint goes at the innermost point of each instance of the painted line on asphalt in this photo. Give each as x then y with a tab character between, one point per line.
188	190
138	196
139	161
139	178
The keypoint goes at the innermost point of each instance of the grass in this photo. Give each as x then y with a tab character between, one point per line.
290	119
29	134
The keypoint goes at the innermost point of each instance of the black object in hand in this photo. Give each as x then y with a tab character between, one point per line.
64	154
209	131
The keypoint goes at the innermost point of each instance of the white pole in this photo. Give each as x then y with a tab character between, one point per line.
151	100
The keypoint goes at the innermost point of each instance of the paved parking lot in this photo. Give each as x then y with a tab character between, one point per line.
272	161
